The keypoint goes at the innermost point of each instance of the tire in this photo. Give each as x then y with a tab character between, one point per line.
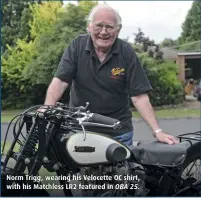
193	153
193	156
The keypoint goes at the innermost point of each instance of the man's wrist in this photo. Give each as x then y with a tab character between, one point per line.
158	130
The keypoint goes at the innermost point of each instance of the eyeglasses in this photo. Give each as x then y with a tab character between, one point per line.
99	27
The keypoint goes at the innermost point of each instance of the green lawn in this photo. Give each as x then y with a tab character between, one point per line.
7	115
174	113
6	146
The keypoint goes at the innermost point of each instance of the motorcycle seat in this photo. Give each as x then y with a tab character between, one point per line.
160	154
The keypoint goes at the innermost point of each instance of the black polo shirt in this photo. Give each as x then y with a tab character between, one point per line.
107	86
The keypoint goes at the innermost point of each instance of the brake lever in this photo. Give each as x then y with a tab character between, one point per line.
114	126
86	117
82	108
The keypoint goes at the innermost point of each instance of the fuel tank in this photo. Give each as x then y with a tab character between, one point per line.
94	148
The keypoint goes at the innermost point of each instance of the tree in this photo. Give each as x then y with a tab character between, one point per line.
147	45
24	24
190	36
50	47
139	36
151	53
16	16
51	44
28	67
45	15
86	6
191	25
144	41
17	58
168	42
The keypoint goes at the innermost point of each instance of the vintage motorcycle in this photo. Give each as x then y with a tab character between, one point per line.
87	163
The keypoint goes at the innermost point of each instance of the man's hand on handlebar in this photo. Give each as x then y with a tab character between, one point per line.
42	109
46	107
80	114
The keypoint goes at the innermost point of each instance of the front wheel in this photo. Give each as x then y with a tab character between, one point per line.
190	174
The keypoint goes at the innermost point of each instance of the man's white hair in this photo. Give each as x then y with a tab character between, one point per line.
98	7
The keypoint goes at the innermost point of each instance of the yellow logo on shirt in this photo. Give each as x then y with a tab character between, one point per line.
117	71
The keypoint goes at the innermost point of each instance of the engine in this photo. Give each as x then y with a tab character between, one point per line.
121	179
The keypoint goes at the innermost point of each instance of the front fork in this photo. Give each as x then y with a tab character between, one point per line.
33	163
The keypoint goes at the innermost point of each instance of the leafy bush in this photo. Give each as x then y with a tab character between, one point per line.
16	89
51	44
167	89
28	67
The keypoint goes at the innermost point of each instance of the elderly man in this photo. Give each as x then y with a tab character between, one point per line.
105	71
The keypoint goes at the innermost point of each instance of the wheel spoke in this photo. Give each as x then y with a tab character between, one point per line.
192	170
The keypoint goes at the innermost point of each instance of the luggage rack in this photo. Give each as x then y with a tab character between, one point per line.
195	136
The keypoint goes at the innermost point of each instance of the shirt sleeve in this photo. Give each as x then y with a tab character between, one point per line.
137	81
67	67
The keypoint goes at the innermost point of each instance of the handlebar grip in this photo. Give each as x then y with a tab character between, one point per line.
97	118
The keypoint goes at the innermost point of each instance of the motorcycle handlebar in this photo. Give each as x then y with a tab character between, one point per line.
97	118
88	119
102	121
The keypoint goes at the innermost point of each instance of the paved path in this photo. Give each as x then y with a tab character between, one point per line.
142	131
171	126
